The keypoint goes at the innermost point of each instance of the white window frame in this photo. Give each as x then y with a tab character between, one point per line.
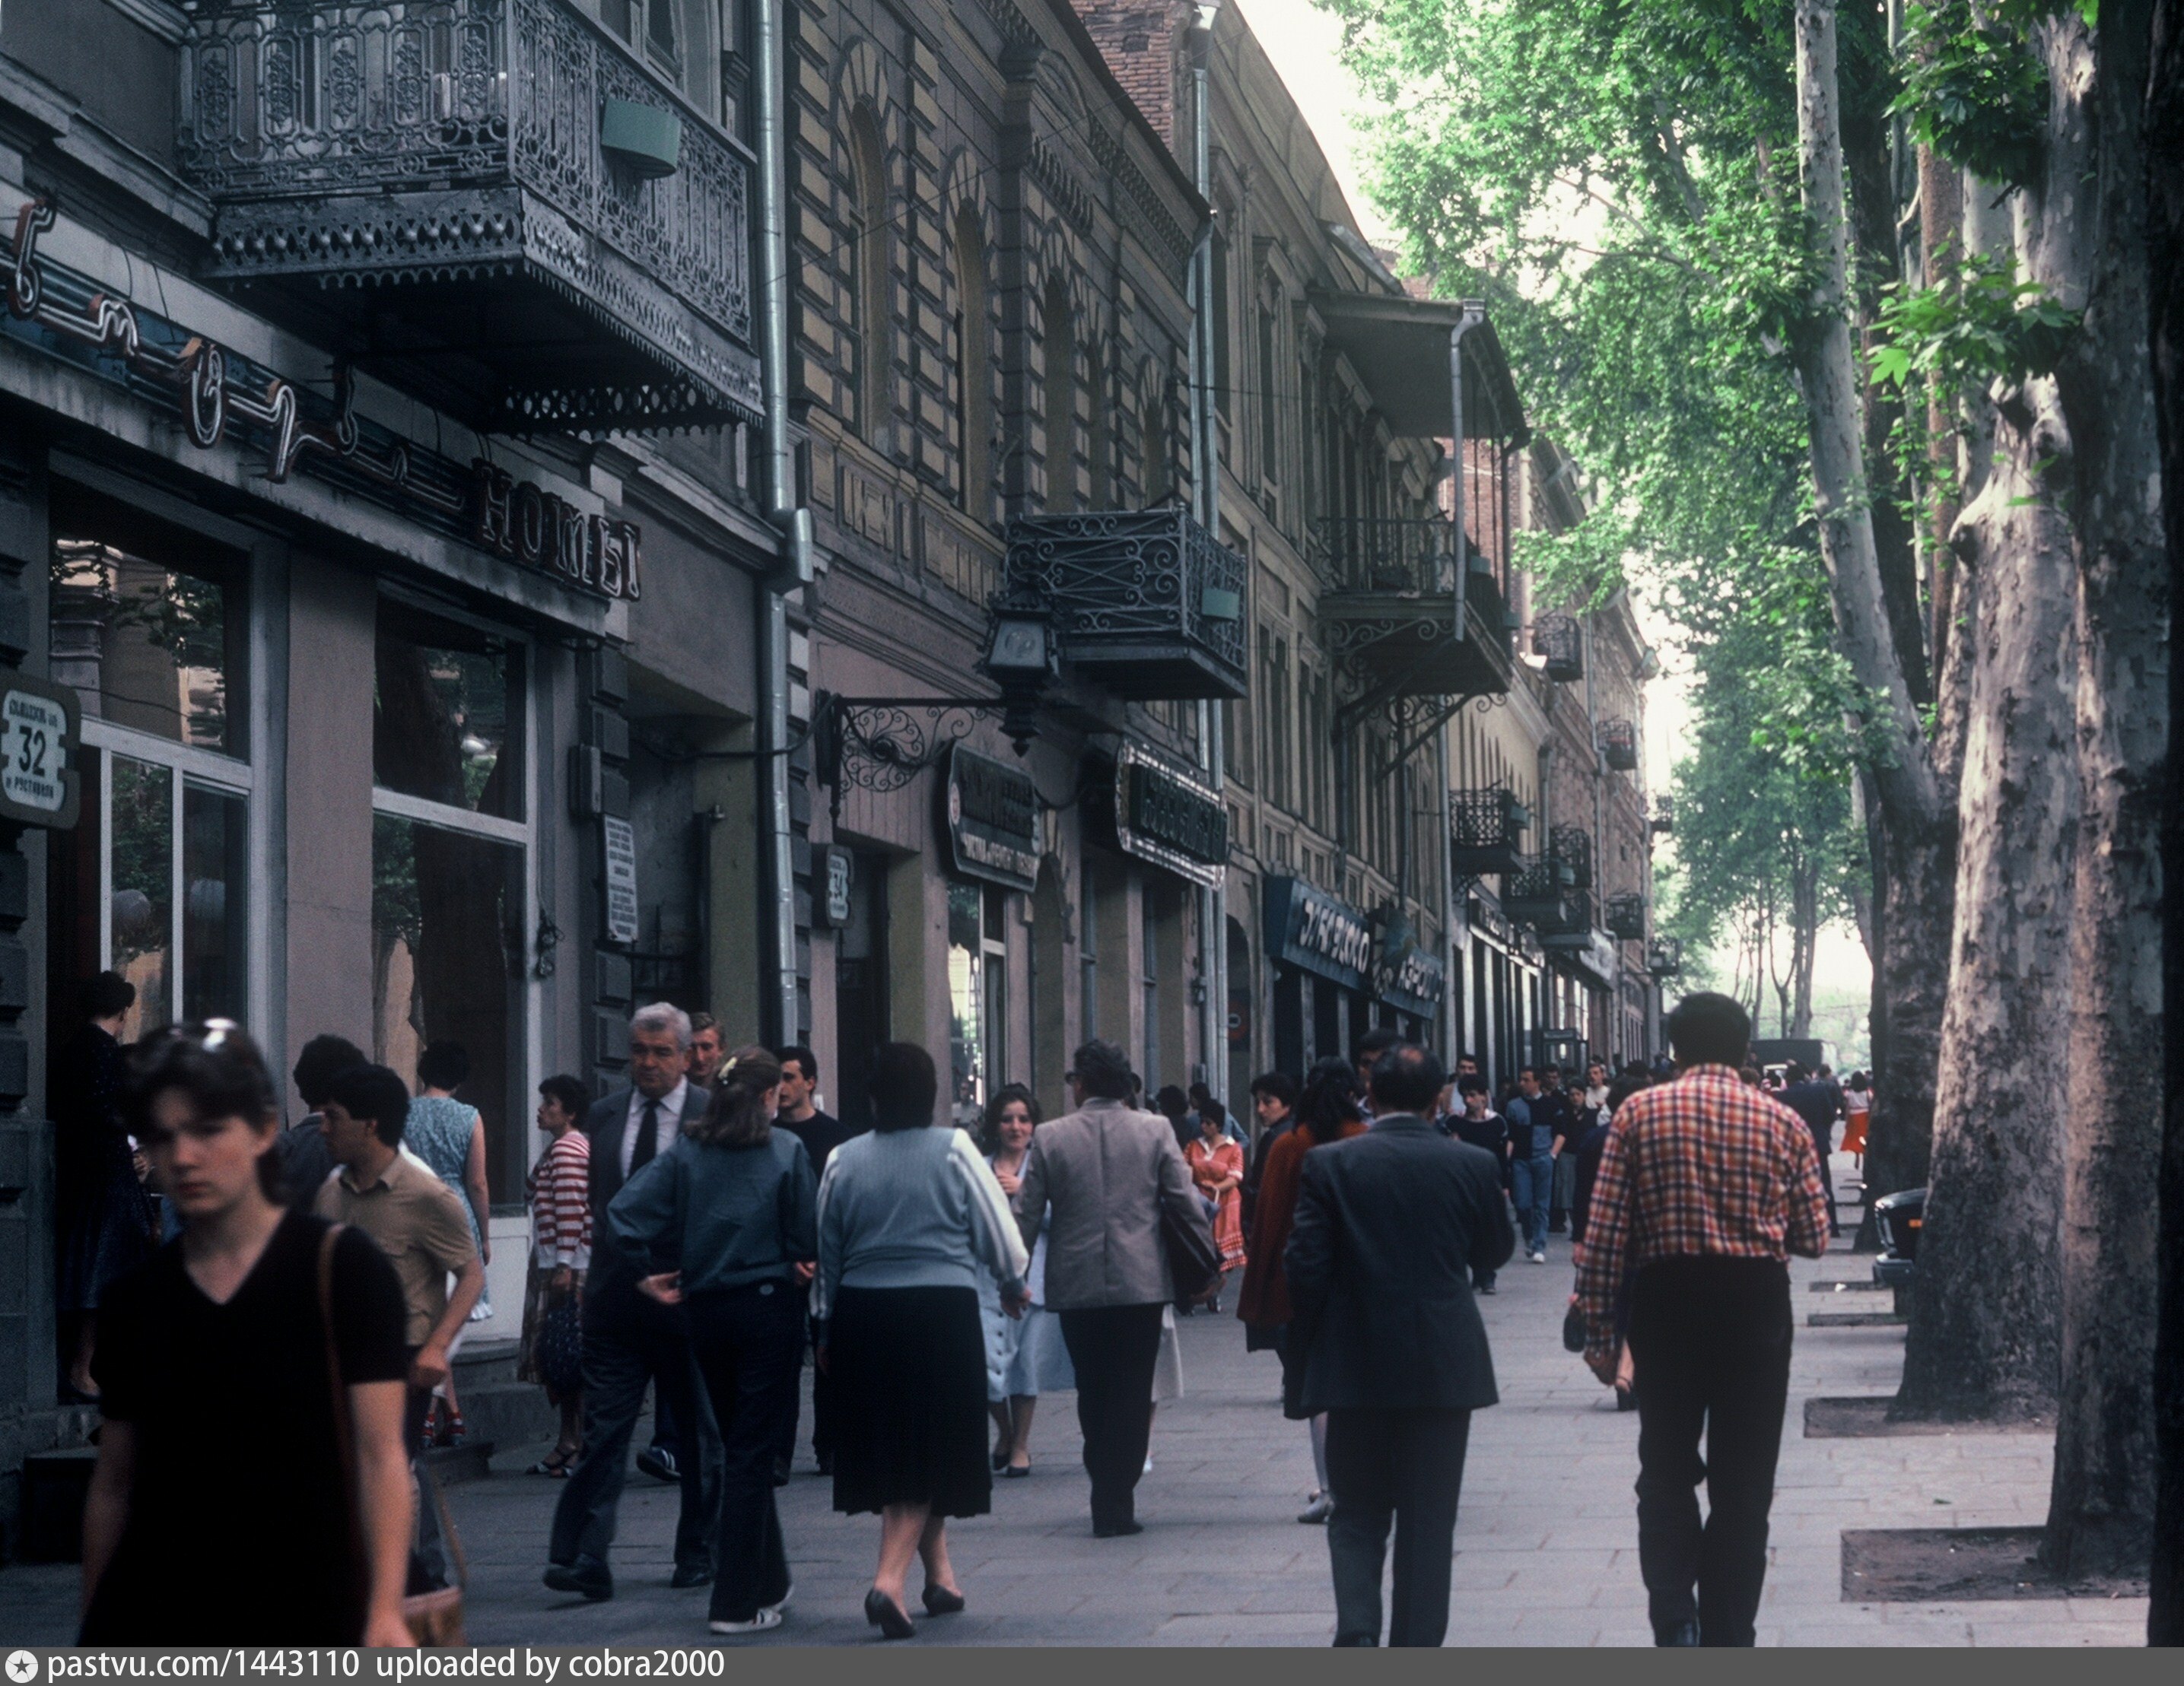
522	834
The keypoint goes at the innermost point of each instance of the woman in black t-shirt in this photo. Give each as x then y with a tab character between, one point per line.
193	1536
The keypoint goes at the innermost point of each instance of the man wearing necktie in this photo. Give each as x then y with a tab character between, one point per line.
630	1340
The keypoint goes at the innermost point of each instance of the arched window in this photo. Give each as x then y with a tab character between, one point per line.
869	350
974	369
1153	431
1058	339
1270	383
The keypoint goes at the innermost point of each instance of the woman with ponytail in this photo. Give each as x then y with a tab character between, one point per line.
726	1217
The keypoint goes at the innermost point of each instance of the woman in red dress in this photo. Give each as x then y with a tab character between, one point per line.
1216	1167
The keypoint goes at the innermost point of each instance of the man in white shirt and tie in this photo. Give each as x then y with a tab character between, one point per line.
630	1340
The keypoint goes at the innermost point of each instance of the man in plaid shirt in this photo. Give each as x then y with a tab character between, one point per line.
1706	1188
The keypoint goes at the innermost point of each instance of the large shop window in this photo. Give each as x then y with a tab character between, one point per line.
978	997
150	625
450	863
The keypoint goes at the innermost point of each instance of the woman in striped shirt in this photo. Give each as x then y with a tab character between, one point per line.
560	1253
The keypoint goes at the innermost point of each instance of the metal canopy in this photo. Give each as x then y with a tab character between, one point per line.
1399	348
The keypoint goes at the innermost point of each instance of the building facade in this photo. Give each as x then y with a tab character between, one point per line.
380	529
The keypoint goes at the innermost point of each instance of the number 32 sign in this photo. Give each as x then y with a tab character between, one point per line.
38	781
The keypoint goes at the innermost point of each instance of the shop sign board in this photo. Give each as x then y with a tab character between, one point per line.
990	816
618	840
1165	816
1309	929
837	876
39	785
1410	979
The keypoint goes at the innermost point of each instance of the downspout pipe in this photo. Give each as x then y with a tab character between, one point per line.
1473	314
793	570
1213	901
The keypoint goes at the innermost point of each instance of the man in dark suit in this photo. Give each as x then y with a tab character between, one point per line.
630	1339
1819	1102
1391	1227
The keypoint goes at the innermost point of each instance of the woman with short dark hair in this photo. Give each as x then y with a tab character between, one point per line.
106	1220
1025	1356
193	1535
449	1135
559	1187
725	1218
908	1215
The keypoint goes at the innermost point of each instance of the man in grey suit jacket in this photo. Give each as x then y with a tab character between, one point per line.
1108	1172
630	1340
1390	1227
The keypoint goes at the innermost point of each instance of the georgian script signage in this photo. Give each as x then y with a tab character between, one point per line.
1410	979
1309	929
990	816
38	782
218	394
1169	818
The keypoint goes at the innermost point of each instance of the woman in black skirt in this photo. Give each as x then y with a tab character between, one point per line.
909	1216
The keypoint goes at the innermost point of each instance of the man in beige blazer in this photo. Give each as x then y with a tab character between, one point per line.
1107	1172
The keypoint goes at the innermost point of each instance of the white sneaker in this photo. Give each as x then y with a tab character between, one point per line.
1540	1258
769	1616
1148	1469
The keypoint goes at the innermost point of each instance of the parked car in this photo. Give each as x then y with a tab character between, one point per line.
1898	1217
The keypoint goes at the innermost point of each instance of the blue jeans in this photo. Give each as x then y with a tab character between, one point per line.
1534	1180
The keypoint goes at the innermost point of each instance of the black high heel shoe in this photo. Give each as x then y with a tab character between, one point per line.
888	1616
940	1601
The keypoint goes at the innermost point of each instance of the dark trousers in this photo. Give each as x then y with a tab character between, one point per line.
1711	1338
826	1407
1113	1348
1820	1140
629	1341
750	1347
428	1557
1404	1467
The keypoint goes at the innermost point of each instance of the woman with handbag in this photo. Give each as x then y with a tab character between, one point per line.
1326	1111
298	1534
552	1352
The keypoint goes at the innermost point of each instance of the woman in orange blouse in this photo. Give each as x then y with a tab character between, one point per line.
1326	1111
1216	1167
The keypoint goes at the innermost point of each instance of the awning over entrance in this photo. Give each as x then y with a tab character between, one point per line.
1399	348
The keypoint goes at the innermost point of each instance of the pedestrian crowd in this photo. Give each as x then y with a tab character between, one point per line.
703	1232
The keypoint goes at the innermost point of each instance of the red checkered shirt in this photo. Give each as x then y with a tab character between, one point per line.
1704	1165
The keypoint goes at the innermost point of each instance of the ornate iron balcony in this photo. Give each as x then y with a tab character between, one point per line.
1664	815
1618	742
1570	847
1556	637
490	203
1664	957
1538	894
1145	600
1484	826
1626	915
1390	610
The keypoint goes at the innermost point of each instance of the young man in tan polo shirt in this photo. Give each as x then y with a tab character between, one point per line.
417	1219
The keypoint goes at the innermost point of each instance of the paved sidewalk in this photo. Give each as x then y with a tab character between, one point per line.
1546	1541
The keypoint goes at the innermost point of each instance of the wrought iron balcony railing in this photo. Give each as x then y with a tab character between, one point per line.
492	204
1664	957
1557	639
1618	742
1664	815
1392	608
1484	826
1626	915
1145	600
1571	848
1538	893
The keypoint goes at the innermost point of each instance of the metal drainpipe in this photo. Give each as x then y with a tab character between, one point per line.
1213	901
777	883
1473	316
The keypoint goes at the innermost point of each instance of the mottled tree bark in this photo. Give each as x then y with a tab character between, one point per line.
1917	818
2100	1518
1984	1325
2164	177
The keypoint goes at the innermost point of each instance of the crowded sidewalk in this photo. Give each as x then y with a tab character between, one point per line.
1546	1543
